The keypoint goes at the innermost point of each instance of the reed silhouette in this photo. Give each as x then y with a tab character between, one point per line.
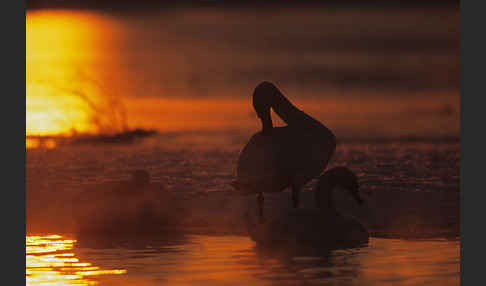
107	113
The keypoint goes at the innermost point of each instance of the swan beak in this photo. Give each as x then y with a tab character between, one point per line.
357	197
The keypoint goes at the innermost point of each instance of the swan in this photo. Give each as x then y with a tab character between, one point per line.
125	206
320	226
279	157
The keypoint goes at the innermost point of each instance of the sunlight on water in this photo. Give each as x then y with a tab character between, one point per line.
32	143
192	74
49	261
236	260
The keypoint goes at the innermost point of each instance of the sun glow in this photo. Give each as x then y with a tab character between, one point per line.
91	72
50	114
60	46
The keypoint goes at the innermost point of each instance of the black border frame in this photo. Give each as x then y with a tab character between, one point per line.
472	47
13	117
472	89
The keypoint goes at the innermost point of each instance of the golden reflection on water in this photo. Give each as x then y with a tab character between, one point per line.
234	260
50	262
31	143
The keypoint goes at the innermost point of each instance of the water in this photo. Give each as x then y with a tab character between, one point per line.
384	80
414	183
235	260
411	189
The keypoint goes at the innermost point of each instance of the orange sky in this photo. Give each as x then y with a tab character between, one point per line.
64	47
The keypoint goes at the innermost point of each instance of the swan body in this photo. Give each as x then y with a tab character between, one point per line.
279	157
123	207
322	226
288	156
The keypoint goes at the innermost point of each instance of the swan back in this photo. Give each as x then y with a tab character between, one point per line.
330	181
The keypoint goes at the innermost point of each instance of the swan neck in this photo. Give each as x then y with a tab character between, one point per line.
267	124
266	97
283	107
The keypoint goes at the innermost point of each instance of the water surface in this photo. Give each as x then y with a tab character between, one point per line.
411	189
235	260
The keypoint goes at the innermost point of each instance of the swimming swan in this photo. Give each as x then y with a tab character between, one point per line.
126	206
320	226
281	157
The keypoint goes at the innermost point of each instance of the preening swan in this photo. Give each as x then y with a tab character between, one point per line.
322	226
281	157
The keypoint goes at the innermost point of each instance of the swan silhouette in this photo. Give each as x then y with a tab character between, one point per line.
320	226
127	206
279	157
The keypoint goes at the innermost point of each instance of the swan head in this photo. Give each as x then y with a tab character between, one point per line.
140	177
263	97
336	177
